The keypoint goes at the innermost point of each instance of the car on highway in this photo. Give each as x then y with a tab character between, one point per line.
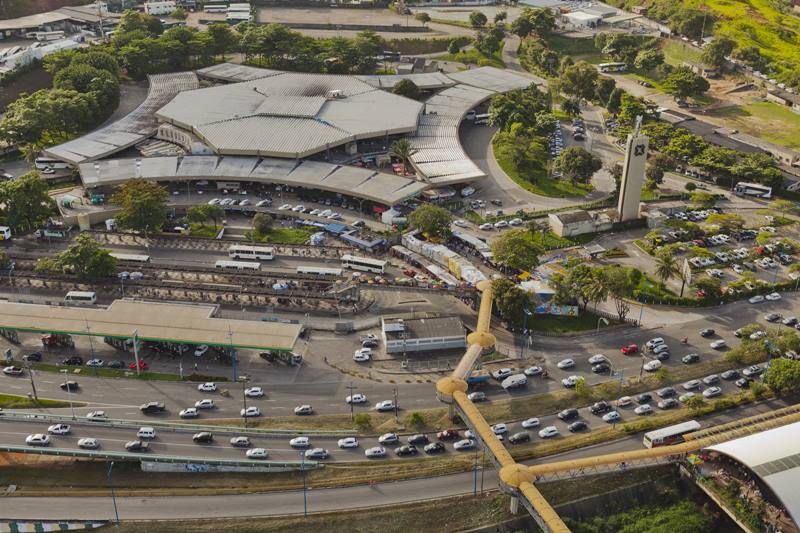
461	223
362	355
142	365
88	443
712	392
206	403
137	446
464	444
688	359
189	412
568	414
708	332
115	364
257	453
207	387
598	408
643	409
566	363
570	381
204	437
519	437
502	373
12	371
434	447
375	452
70	386
624	401
652	366
303	410
356	398
317	453
385	405
240	442
72	361
254	392
548	432
499	429
96	415
751	371
250	412
300	442
389	438
37	439
152	407
578	425
348	442
531	423
94	363
406	449
419	438
532	371
668	403
630	349
447	434
611	417
59	429
757	299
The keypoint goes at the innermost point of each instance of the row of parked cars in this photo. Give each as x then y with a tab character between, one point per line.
501	224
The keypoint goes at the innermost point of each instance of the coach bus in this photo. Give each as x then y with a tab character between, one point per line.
753	189
319	271
612	67
669	435
215	8
43	163
363	263
238	265
80	298
251	252
132	258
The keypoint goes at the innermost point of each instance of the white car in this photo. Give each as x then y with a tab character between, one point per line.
240	442
499	429
59	429
534	371
773	296
362	355
652	366
530	423
501	224
254	392
502	374
477	396
385	405
570	381
757	299
683	397
189	412
245	202
711	392
389	438
207	387
37	439
643	409
738	269
300	442
461	223
611	417
96	363
348	442
486	226
691	384
356	398
464	444
516	222
250	411
625	401
303	410
652	343
660	348
299	208
596	359
257	453
566	363
284	207
549	431
88	443
214	201
205	404
375	452
756	335
96	415
718	344
262	203
201	350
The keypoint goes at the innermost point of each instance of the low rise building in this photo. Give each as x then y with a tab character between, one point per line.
160	7
403	335
579	222
784	97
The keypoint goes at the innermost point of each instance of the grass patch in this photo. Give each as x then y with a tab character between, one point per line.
202	230
474	217
473	56
551	241
565	324
676	52
282	236
773	122
11	401
123	373
573	46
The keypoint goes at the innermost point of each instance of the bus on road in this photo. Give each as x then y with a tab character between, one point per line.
753	189
669	435
319	271
132	258
363	263
612	67
251	252
238	265
80	298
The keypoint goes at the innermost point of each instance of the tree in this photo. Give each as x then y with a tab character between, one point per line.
432	220
509	300
666	266
682	83
711	287
758	167
717	50
603	89
55	114
690	186
693	23
500	16
415	420
654	174
196	214
215	213
179	14
649	59
684	146
516	249
577	164
98	59
53	63
571	106
86	259
583	284
540	21
401	149
423	17
362	421
223	39
579	80
453	47
407	88
620	283
262	223
695	403
783	375
614	103
25	202
477	20
489	41
143	206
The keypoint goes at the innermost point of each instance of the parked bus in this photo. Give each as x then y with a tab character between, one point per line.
753	189
80	298
251	252
49	35
612	67
215	8
669	435
43	163
238	265
481	119
319	271
363	263
132	258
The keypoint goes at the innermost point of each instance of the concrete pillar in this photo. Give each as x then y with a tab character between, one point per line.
451	411
514	505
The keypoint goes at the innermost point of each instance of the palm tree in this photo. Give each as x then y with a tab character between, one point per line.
666	266
401	149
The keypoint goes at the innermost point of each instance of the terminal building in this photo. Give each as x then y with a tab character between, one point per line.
403	335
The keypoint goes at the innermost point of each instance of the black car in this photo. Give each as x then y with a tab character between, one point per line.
666	392
70	386
115	364
520	437
204	437
663	355
73	361
151	407
598	408
669	403
690	358
418	439
644	398
708	332
33	357
773	317
434	447
602	368
743	383
579	425
407	449
136	446
730	375
568	414
369	343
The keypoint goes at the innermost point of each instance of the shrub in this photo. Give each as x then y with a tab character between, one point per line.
362	421
415	419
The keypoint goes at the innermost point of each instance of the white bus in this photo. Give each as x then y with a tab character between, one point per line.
319	271
49	35
363	263
612	67
80	298
251	252
753	189
133	258
238	265
669	435
43	163
481	119
215	8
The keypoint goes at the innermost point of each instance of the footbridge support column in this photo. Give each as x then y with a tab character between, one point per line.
514	505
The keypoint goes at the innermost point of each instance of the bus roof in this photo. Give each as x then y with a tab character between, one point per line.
248	247
81	293
683	427
367	260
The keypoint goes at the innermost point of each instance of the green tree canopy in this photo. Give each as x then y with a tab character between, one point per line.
509	299
407	88
712	287
477	19
649	59
579	80
783	375
423	17
85	259
143	206
726	221
516	249
577	164
540	21
621	282
25	203
432	220
715	52
262	223
682	83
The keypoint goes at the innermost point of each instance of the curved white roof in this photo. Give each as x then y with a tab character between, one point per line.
774	456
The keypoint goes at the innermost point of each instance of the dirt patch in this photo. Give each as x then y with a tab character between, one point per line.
28	83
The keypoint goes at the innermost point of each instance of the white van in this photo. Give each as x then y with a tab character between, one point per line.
146	433
514	382
80	298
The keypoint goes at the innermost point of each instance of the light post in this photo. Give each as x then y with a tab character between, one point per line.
352	408
69	393
305	487
121	283
30	375
113	494
396	406
244	380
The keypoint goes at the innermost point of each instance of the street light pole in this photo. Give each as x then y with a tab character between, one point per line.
305	487
352	413
33	386
244	401
113	494
396	407
69	393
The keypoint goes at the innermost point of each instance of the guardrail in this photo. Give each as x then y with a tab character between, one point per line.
177	427
125	456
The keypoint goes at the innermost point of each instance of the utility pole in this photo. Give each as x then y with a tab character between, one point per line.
396	407
352	413
33	386
113	495
244	400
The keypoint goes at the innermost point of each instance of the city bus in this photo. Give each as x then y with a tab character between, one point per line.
215	8
43	163
612	67
319	271
80	298
251	252
481	119
238	265
753	189
132	258
363	263
669	435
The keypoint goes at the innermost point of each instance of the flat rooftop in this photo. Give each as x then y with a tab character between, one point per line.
424	328
152	321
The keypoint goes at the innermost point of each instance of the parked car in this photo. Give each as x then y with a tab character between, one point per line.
530	423
375	452
548	432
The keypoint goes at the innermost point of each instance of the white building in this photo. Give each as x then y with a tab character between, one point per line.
422	334
580	19
160	7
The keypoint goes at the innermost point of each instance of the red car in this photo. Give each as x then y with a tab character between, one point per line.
629	349
448	434
142	365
